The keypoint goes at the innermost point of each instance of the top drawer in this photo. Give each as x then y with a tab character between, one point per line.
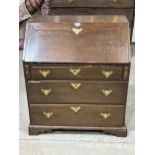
77	72
93	3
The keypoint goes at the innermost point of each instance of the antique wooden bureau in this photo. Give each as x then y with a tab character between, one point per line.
76	72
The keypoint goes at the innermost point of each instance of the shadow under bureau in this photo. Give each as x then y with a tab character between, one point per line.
76	72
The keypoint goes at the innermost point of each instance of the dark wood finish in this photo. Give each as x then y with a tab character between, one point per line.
93	3
85	72
82	47
88	92
71	11
88	115
37	129
60	99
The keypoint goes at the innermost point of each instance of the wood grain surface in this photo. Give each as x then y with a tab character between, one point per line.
88	115
98	42
88	92
76	71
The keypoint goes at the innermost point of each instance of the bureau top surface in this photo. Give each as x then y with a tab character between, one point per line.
77	39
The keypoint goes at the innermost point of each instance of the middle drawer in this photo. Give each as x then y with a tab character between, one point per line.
79	91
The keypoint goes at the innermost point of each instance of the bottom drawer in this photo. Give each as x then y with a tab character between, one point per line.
77	115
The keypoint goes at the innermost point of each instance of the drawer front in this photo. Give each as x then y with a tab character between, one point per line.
93	3
129	13
77	115
79	91
76	72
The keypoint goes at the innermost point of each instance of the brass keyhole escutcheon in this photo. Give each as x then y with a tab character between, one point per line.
75	71
44	73
75	109
48	114
76	86
46	92
106	92
107	74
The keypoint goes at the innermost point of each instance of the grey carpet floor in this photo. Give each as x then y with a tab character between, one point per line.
76	143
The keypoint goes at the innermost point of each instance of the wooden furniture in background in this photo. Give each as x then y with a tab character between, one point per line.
76	72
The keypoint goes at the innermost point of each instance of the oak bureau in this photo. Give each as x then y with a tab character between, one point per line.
76	72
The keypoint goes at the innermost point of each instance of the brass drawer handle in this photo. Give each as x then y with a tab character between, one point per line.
77	31
44	73
70	1
46	92
107	74
48	114
105	115
75	109
114	1
106	92
75	71
76	86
